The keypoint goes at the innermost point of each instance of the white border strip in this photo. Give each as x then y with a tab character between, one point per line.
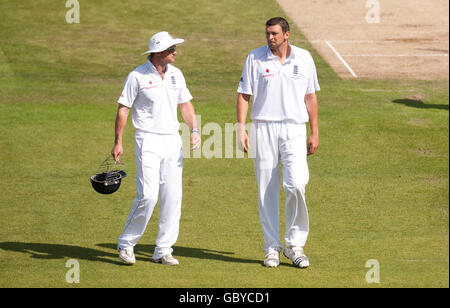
340	58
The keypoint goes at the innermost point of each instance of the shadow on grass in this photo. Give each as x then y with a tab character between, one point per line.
59	251
143	252
419	104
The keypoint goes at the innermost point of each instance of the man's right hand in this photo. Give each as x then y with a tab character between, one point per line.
243	140
117	151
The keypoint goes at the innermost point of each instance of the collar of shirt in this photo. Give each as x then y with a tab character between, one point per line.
271	56
153	69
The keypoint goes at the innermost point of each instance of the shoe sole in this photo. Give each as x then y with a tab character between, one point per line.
271	265
160	262
299	265
127	262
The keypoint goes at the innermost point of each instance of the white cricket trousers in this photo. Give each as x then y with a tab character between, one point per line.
284	142
159	164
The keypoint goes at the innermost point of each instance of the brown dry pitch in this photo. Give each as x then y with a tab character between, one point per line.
410	38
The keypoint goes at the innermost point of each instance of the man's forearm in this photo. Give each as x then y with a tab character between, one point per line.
188	114
242	108
241	115
121	122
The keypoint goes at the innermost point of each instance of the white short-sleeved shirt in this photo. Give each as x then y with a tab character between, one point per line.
154	101
279	90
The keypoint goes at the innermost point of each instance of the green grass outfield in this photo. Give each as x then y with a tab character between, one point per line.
379	183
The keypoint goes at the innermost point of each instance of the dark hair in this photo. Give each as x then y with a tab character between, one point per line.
278	21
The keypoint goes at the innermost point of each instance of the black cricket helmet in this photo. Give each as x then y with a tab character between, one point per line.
108	176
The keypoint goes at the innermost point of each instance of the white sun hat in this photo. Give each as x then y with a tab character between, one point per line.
161	41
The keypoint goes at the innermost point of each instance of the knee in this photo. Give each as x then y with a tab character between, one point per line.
147	199
295	188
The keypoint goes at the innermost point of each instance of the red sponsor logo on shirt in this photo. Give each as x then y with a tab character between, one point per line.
151	85
268	75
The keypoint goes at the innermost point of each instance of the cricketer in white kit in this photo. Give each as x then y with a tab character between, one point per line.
154	91
282	79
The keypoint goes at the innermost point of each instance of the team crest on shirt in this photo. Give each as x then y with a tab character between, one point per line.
296	72
173	81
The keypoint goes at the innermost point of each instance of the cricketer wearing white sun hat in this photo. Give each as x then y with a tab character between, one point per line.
154	92
161	41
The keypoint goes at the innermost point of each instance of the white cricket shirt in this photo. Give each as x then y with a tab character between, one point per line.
154	101
279	90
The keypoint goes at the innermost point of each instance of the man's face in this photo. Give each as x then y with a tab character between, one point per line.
275	36
169	54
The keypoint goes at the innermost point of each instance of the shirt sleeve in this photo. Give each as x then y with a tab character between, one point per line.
185	96
184	93
246	82
313	83
130	91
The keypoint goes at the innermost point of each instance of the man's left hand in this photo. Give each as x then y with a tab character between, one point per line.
313	144
195	140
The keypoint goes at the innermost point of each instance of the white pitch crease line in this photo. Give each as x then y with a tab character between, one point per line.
341	59
379	41
401	55
356	41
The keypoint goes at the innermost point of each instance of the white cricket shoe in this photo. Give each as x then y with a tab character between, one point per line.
166	260
272	259
127	255
297	256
